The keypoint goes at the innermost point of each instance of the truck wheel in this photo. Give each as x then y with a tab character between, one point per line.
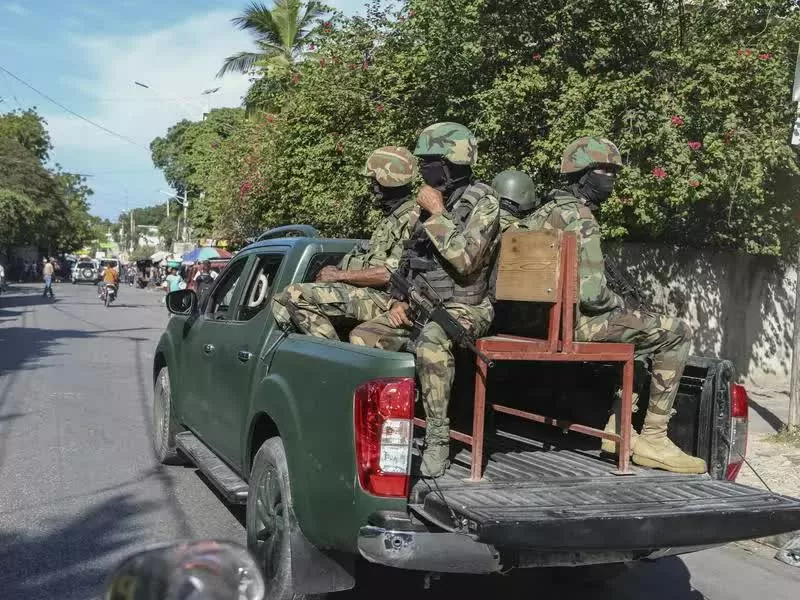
270	518
164	424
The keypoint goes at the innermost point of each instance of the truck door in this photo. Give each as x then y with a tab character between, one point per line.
235	366
202	347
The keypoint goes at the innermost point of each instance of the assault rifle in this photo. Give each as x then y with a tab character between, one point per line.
427	305
620	284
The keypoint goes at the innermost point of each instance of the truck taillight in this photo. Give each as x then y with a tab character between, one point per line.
738	439
384	409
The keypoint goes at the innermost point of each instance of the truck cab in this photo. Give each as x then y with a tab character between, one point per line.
317	438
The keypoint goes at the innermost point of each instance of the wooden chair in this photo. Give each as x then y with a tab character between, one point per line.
542	267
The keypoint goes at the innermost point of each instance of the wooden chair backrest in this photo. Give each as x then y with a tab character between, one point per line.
530	266
534	266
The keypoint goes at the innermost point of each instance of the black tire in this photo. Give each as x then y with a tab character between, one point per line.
107	298
164	424
270	518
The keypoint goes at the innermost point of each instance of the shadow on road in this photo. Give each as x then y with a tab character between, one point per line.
73	559
773	420
667	579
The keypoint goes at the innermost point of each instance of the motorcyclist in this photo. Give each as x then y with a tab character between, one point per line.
110	277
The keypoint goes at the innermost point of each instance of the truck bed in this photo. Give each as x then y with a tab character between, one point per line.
537	496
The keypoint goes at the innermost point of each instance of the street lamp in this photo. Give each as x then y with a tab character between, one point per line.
204	107
183	202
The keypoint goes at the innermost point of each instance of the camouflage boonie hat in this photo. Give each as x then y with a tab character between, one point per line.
391	166
586	152
448	140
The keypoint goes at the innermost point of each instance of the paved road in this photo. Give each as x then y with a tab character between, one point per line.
80	489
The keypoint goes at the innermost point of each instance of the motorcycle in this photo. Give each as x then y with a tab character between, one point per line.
108	293
201	570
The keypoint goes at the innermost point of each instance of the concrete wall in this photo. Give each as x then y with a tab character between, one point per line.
741	307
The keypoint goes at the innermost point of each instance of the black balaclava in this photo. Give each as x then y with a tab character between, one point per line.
388	199
513	208
442	175
595	187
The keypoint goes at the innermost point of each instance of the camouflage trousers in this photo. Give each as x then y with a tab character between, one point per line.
664	339
310	306
433	349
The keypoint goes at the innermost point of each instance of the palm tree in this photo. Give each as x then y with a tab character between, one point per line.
279	33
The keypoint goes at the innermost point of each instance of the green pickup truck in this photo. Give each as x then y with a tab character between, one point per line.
317	438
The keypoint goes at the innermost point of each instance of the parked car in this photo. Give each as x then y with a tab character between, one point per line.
85	271
317	438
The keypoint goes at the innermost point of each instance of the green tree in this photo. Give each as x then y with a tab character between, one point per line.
279	33
184	156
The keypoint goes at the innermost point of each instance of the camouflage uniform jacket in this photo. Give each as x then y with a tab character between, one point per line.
506	220
385	247
568	213
467	247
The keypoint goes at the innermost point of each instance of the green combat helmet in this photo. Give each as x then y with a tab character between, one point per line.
391	166
586	152
517	188
451	141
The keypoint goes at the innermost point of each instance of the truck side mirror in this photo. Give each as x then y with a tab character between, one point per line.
182	302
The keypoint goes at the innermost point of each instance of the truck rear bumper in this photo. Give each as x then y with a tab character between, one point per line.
445	552
441	552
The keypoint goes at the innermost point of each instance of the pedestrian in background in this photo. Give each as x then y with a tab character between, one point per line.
47	272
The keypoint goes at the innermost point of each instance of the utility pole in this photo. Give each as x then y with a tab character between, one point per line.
794	387
133	230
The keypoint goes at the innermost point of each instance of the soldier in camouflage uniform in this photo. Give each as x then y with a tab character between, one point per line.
590	165
517	195
450	248
356	288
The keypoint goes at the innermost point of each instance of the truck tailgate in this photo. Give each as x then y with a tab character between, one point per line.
570	500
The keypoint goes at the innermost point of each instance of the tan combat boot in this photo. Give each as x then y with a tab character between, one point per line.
436	454
608	446
654	449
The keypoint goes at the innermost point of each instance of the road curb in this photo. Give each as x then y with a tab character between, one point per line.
778	541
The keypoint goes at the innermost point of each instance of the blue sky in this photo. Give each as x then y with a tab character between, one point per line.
87	53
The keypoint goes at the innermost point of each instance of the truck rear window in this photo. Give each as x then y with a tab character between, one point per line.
320	261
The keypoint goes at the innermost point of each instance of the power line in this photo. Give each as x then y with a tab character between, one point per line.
72	112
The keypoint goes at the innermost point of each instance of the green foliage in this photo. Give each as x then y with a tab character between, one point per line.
696	96
27	128
44	207
279	34
155	216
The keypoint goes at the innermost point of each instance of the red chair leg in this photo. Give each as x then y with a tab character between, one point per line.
478	421
625	417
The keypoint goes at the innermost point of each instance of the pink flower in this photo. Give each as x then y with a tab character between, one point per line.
312	47
695	145
536	57
326	25
764	56
365	65
694	183
659	173
245	188
744	52
270	118
379	108
676	120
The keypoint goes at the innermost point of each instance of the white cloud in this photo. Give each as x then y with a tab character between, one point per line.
177	63
15	8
